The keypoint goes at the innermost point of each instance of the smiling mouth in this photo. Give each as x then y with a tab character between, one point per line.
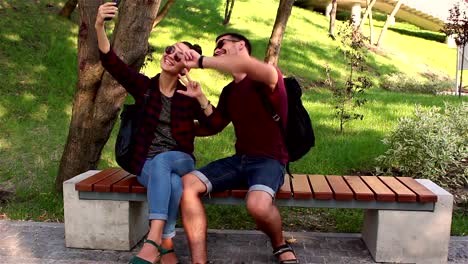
168	61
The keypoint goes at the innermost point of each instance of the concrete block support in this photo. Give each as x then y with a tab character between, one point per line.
102	224
411	236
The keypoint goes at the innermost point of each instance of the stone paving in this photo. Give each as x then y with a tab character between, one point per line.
36	242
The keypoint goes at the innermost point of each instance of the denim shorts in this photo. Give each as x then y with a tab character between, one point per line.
242	172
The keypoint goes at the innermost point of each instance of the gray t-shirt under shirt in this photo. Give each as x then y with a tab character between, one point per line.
163	140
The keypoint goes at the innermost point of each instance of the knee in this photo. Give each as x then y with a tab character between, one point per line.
258	208
192	185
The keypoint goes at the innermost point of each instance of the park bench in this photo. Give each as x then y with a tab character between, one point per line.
406	220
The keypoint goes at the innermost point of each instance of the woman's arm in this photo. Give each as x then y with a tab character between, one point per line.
134	82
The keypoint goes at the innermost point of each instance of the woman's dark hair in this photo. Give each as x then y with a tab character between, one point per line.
237	36
195	47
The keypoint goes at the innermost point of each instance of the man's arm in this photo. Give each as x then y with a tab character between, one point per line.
236	64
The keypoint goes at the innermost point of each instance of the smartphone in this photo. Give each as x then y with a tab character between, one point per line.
116	4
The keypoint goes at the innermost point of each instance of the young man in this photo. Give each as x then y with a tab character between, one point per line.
260	150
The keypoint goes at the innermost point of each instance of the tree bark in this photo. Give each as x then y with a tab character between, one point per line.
98	96
274	46
162	14
332	16
228	11
68	8
385	27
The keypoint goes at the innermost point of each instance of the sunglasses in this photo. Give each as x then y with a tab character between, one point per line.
171	50
221	43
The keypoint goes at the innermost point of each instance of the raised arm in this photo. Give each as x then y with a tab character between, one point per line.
134	82
236	64
253	68
106	10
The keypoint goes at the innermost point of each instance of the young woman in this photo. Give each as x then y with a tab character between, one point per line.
164	145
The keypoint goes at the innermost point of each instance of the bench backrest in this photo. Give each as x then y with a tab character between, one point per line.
301	187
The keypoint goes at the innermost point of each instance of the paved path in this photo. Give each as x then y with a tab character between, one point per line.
35	242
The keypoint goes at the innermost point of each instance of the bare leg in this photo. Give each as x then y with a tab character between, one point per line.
268	219
193	217
148	251
171	258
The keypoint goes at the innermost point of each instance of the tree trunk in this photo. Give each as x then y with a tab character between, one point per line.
332	15
368	12
98	97
228	11
162	14
68	8
461	71
282	16
384	29
371	29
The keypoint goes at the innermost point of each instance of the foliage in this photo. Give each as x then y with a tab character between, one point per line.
457	23
433	144
350	95
457	27
399	82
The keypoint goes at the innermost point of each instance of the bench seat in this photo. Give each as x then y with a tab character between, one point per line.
366	192
406	220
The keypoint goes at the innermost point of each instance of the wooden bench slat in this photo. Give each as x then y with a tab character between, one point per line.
87	184
403	194
125	185
285	191
137	187
320	187
105	185
220	194
340	189
239	193
301	188
382	192
360	189
424	195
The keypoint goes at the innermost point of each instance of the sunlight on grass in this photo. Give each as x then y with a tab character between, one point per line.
28	97
42	114
12	37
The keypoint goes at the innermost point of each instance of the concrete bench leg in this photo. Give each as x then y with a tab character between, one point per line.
102	224
411	236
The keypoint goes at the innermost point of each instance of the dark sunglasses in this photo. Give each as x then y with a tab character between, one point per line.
171	50
221	43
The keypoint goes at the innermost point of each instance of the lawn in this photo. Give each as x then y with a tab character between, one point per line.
39	72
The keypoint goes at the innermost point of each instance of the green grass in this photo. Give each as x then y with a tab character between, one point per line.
38	77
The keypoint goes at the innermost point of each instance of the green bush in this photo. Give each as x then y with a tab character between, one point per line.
433	144
400	82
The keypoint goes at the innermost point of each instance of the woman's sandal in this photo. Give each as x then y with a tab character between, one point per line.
162	251
283	249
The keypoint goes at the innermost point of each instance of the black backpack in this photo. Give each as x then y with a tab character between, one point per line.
299	134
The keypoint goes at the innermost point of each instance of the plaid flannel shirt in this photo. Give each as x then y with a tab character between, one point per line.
184	110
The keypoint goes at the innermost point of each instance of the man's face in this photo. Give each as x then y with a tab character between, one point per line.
226	45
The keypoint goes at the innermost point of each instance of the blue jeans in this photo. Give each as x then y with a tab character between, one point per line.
161	177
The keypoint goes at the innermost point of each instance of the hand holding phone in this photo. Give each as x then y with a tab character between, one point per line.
116	5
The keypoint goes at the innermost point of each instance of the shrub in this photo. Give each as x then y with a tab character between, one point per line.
433	145
399	82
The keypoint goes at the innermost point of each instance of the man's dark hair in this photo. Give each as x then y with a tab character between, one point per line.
195	47
237	36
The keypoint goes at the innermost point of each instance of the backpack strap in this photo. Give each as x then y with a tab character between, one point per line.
269	107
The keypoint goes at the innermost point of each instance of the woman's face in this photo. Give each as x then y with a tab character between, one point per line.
172	59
